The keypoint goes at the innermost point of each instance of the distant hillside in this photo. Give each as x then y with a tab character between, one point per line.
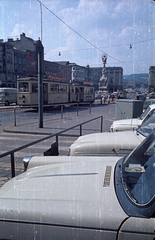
141	77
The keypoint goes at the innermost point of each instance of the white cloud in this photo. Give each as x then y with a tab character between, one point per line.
18	29
128	31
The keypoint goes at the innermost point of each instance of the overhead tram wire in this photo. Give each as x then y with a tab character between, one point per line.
110	46
78	33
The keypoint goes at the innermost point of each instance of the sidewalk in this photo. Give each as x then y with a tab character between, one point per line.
50	126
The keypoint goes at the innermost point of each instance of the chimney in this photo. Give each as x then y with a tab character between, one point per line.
10	39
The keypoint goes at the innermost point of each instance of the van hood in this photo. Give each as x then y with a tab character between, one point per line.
107	143
126	124
74	192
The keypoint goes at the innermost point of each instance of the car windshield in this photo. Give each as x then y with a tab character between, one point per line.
146	104
139	172
144	114
146	128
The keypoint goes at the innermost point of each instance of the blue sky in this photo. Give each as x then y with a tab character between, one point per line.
95	27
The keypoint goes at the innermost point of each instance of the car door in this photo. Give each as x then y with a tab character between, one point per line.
137	228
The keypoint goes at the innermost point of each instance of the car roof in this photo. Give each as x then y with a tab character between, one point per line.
152	106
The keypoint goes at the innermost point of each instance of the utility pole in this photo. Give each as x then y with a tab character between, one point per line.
40	82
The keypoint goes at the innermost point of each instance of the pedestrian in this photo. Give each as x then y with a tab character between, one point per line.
104	98
112	97
108	98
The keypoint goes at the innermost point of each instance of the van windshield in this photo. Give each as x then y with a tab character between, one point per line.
2	94
146	128
144	114
139	172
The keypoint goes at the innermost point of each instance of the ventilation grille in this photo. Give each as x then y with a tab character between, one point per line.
107	176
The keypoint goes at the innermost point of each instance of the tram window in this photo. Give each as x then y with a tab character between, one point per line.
77	90
91	91
54	88
34	87
62	88
23	87
88	90
73	90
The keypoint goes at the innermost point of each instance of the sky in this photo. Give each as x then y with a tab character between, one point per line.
85	30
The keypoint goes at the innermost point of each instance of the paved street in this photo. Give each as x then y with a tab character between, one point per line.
27	130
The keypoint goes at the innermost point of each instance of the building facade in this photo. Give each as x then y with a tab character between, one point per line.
65	70
18	58
32	47
93	75
78	73
7	77
114	78
19	63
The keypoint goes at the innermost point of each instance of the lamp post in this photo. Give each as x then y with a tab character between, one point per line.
40	82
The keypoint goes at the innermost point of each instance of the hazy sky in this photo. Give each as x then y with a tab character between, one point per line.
83	30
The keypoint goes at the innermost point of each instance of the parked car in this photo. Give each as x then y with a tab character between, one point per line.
140	96
147	103
115	94
111	143
122	94
151	95
82	198
97	96
130	124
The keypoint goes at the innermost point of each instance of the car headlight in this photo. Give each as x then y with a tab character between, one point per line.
111	128
26	162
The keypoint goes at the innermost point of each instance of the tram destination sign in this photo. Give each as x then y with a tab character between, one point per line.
56	78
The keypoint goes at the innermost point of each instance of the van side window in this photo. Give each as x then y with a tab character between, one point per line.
6	93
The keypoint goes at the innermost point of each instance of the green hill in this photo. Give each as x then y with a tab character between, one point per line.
141	77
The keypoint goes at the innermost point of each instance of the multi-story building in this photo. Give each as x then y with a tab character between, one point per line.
32	47
2	73
114	78
31	64
78	73
53	71
65	70
7	77
151	84
19	63
93	75
50	68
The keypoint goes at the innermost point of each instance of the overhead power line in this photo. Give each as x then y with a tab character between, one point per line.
110	46
77	32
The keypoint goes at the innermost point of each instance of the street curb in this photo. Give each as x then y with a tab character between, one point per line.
38	133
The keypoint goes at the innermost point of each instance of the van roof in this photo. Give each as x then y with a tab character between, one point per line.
8	89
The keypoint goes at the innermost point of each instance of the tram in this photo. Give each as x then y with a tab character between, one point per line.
54	92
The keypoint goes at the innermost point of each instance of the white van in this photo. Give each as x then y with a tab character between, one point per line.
8	95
